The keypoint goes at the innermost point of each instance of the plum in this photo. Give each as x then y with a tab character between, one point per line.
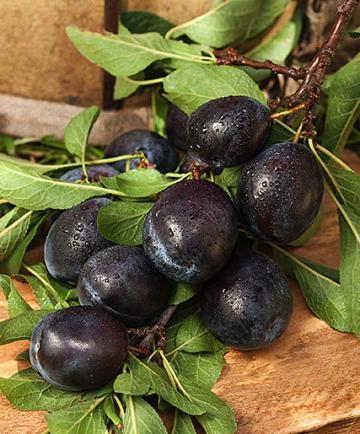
280	192
227	131
191	231
72	239
123	281
94	173
156	148
176	127
191	159
78	348
248	305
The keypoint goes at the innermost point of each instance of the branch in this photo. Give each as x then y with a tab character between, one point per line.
158	329
309	91
231	56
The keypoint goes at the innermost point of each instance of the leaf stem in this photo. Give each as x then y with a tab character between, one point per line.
47	285
295	109
285	126
3	201
326	169
334	158
144	82
172	373
119	404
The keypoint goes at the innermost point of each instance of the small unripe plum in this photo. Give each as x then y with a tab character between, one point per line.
280	192
157	150
248	305
94	173
72	239
78	348
176	127
191	230
227	131
123	281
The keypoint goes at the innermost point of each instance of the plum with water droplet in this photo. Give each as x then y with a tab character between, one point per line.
176	127
191	230
227	131
78	348
94	173
280	192
248	305
72	239
122	280
157	150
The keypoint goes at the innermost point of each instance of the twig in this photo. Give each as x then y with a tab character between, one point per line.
158	328
231	56
312	75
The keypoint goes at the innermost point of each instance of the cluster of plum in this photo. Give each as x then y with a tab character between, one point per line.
190	235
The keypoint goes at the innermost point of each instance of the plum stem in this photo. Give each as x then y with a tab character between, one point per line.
158	328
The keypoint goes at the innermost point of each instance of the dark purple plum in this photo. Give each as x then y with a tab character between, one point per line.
280	192
94	173
191	159
78	348
248	305
227	131
72	239
191	231
176	127
156	148
122	280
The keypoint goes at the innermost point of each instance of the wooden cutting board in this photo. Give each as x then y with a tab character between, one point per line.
308	379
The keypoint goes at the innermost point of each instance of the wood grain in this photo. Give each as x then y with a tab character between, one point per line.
310	378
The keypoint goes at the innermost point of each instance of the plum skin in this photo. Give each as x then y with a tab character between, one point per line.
280	192
123	281
176	127
248	305
94	173
191	230
72	239
78	348
156	148
227	131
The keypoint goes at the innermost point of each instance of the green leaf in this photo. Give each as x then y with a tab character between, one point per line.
140	182
350	265
219	417
343	106
21	326
129	384
182	424
158	381
159	107
26	390
141	418
194	337
126	54
144	22
28	189
269	11
355	33
229	21
88	417
77	131
16	305
280	132
323	295
13	231
183	292
229	176
348	183
111	410
122	222
203	369
124	87
13	263
193	85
